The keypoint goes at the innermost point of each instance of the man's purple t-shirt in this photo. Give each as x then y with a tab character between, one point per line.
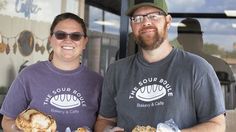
71	97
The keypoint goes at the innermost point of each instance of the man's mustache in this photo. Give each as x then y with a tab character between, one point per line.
149	27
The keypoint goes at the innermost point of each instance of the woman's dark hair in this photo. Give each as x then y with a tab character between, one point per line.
65	16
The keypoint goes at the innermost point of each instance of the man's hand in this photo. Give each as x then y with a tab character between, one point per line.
113	129
8	125
106	125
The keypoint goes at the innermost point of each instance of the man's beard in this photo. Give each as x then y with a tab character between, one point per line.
149	43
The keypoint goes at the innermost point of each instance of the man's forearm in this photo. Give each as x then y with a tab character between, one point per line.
215	125
102	124
205	127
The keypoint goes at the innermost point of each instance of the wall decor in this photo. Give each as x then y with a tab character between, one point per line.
39	48
14	47
7	47
2	45
27	7
26	42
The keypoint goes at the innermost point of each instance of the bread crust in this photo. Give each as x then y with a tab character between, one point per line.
148	128
81	129
32	120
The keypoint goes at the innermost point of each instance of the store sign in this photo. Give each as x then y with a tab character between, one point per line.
27	7
39	10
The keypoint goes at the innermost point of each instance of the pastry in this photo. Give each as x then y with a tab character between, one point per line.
148	128
32	120
81	129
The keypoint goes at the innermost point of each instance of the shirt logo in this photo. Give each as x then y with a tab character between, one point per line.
150	91
65	98
65	101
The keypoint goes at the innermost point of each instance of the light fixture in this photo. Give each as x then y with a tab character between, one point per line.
230	13
106	23
112	23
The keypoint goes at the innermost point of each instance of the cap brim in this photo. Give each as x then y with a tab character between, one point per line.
191	32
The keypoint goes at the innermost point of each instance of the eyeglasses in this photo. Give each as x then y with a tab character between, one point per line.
75	36
150	16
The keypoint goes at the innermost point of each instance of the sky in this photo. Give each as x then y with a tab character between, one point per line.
213	6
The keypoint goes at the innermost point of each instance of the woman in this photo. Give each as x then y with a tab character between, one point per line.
62	87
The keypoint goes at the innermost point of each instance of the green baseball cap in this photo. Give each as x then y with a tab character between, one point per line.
135	4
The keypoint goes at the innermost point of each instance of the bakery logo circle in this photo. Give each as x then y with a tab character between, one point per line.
151	89
65	98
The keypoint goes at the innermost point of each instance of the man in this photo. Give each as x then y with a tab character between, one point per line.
160	82
191	38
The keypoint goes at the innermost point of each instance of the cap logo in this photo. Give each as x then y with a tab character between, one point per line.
141	1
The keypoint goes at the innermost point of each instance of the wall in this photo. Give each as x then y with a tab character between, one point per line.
24	29
34	48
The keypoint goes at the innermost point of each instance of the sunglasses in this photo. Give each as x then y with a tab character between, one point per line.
75	36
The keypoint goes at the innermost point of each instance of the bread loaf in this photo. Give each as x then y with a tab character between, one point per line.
32	120
81	129
139	128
